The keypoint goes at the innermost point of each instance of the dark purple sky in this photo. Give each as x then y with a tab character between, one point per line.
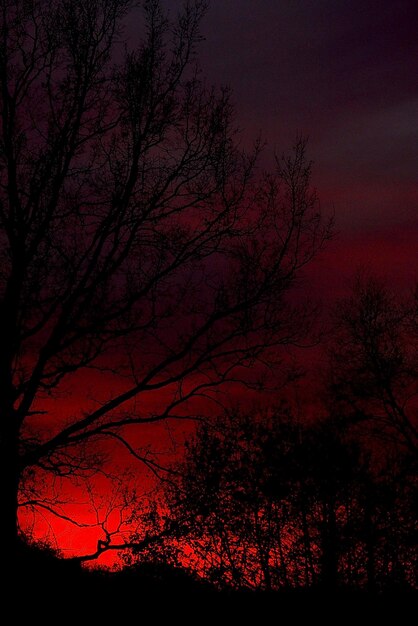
344	72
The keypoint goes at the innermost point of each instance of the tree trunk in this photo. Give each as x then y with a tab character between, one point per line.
310	574
329	569
370	543
9	420
9	487
283	563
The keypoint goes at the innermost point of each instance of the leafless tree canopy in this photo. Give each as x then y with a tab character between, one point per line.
135	238
270	504
374	364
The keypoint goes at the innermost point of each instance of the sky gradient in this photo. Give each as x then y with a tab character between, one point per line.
345	74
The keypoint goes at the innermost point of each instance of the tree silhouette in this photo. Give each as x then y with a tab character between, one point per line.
136	242
374	365
269	504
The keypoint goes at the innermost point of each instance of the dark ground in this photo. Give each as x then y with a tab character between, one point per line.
40	571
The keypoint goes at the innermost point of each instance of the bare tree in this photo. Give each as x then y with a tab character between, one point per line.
135	241
266	503
374	362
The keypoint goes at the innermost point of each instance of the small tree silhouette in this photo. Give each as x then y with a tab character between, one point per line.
374	366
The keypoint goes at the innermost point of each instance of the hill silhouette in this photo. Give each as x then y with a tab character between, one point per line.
42	572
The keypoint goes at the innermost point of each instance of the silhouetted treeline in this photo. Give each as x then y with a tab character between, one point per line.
276	505
267	501
328	502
